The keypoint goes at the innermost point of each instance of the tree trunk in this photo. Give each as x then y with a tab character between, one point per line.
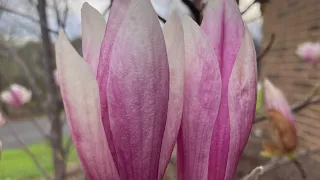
52	96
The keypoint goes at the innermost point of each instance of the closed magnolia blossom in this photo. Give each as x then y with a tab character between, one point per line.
284	134
16	95
123	111
309	51
220	90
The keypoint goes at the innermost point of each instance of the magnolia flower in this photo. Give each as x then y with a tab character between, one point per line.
284	139
309	51
220	93
123	117
16	95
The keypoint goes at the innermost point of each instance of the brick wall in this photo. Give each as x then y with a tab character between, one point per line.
293	22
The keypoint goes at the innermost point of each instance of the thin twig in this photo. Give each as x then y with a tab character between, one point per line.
68	146
255	1
296	107
162	19
30	154
29	76
301	170
274	164
26	16
267	48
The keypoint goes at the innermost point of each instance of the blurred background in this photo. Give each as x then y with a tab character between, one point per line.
35	139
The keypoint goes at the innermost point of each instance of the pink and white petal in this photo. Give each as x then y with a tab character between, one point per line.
242	93
80	96
138	92
93	28
226	41
117	13
173	36
202	91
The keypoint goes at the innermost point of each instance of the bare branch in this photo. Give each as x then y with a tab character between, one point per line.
27	17
296	107
68	146
29	76
162	19
276	163
267	48
243	12
30	154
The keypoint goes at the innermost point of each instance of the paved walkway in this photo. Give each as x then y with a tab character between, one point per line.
26	130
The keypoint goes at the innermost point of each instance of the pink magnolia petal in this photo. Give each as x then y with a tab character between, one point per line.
275	99
93	28
202	91
242	93
226	41
173	35
137	91
117	13
80	95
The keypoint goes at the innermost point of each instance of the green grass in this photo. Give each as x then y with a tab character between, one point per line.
17	165
259	101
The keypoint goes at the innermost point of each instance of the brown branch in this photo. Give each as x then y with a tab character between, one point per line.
274	164
296	107
68	146
28	75
30	154
26	16
267	48
162	19
243	12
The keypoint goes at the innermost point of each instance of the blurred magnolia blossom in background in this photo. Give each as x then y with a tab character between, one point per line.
309	51
16	95
284	136
138	85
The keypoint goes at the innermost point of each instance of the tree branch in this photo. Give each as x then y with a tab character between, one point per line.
267	48
29	76
30	154
243	12
26	16
296	107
